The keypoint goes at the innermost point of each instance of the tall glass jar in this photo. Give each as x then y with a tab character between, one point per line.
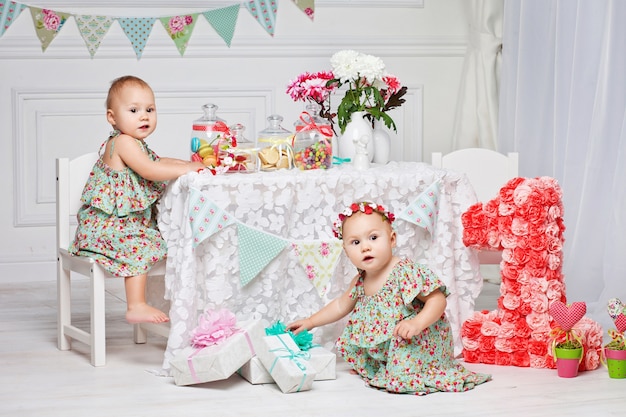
275	143
243	155
312	145
207	133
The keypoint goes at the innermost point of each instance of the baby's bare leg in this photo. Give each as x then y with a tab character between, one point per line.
138	311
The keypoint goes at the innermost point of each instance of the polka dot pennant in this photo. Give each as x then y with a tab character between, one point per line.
424	209
9	11
264	11
93	29
137	29
256	250
223	21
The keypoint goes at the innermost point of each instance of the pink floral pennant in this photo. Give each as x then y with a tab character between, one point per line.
9	11
264	11
47	23
424	209
179	29
205	217
318	260
307	6
223	20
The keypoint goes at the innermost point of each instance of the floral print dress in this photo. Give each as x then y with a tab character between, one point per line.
117	221
422	365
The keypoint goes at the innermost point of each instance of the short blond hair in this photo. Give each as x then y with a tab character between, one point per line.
120	83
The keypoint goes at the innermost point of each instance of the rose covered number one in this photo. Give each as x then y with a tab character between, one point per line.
525	222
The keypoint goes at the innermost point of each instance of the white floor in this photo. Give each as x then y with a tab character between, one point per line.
39	380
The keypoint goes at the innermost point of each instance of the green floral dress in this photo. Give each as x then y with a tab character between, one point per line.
422	365
117	221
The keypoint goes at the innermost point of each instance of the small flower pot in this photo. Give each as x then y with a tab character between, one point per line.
616	363
567	361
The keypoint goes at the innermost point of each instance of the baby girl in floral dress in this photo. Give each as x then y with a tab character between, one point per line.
397	337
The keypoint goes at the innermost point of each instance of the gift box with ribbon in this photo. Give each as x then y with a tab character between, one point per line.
219	347
286	363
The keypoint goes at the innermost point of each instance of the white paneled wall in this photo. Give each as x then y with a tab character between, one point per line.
52	102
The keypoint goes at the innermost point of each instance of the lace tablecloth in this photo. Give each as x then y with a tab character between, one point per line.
301	205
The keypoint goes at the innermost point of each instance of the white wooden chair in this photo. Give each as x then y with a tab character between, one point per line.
71	178
487	171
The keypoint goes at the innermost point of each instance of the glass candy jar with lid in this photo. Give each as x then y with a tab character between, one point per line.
275	145
242	156
208	134
312	144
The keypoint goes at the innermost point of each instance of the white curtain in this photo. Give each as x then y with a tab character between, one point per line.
476	118
563	108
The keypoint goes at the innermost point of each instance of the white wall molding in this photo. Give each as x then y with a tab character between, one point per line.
119	47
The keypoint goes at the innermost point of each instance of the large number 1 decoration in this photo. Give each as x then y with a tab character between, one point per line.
525	222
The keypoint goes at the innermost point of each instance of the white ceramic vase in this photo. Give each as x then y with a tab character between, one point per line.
356	129
382	143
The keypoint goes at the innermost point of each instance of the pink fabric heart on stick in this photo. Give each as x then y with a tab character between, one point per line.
617	311
567	315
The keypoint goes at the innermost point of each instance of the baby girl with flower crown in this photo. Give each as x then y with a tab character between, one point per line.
397	337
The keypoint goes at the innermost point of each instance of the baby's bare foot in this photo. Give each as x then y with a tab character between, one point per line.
143	313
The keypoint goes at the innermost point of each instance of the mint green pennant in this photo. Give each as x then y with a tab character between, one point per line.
93	29
223	21
264	12
256	250
424	209
205	217
9	11
137	29
307	6
180	28
47	23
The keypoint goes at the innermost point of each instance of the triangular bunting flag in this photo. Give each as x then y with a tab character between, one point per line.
223	21
424	209
179	28
318	260
307	6
93	29
137	29
206	217
264	12
256	250
9	11
47	24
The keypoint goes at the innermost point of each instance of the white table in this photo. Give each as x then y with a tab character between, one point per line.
300	206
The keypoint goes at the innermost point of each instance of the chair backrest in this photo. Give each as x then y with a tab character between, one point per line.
71	178
486	169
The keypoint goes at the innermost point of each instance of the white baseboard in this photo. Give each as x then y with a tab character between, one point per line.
11	272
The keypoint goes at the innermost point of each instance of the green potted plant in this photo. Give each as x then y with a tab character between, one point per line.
567	342
614	352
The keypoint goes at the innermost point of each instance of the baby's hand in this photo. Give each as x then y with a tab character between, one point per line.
406	329
299	325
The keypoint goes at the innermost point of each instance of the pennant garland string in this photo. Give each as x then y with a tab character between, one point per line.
48	23
318	258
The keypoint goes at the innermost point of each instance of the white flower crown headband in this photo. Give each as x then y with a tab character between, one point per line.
363	207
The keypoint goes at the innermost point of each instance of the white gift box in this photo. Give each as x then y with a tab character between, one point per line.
324	362
254	372
198	365
286	363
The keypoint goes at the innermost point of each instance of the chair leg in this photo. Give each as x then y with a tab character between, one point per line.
140	334
64	307
98	322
